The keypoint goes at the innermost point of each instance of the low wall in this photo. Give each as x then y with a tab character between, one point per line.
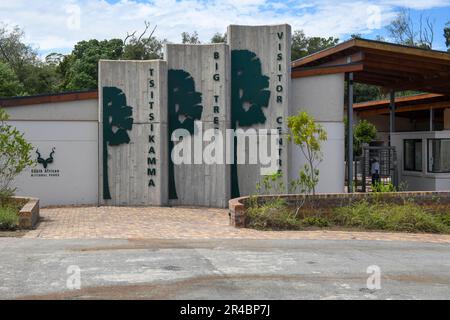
29	214
238	206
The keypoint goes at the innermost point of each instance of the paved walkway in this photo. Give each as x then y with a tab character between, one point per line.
179	223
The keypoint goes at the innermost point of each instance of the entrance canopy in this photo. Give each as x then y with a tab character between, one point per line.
388	65
424	101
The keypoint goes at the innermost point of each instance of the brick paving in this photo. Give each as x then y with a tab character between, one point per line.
179	223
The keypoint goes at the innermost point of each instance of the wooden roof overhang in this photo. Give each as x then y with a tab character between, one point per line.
394	67
49	98
418	102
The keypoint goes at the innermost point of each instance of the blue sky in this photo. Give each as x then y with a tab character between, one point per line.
55	26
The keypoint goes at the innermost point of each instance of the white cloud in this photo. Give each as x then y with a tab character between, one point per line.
50	24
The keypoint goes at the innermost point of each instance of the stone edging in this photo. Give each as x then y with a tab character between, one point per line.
237	207
29	214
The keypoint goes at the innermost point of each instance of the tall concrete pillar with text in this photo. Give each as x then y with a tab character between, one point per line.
198	103
133	133
261	88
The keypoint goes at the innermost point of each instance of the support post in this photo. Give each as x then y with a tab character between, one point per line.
391	116
431	118
350	133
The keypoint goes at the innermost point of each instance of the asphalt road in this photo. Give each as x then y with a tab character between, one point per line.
227	269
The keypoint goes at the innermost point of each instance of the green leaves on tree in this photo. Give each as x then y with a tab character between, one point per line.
15	155
308	135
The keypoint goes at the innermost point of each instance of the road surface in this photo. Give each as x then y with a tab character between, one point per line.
222	269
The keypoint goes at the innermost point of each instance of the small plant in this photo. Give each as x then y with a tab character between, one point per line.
315	222
271	184
9	220
272	215
308	135
408	217
379	187
14	156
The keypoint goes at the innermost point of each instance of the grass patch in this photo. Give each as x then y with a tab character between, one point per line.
408	217
9	218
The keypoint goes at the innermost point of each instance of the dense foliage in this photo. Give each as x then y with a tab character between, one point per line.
23	72
364	215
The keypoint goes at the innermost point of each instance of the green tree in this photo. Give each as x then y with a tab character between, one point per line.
144	47
403	31
80	68
363	133
365	92
249	95
117	120
184	108
219	38
303	46
34	75
14	52
10	85
308	135
189	38
14	155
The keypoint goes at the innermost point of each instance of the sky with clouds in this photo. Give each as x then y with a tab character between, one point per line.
55	26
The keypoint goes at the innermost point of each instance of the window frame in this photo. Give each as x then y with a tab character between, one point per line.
429	154
414	159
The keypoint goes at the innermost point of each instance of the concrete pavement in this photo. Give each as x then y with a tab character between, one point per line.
222	269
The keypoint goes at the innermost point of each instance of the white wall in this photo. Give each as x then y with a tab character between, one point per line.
76	151
323	98
424	180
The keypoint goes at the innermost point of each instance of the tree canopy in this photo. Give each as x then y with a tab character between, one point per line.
303	46
23	72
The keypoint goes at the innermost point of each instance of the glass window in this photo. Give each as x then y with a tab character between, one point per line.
439	155
412	149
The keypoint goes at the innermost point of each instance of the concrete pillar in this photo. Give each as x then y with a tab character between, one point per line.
391	115
447	119
350	134
133	132
205	74
261	61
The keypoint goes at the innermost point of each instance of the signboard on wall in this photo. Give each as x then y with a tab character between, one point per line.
260	59
133	132
198	101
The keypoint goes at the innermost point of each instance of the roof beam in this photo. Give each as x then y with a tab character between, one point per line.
418	107
317	71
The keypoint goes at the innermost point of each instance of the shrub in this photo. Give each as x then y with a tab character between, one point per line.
408	217
14	155
273	215
9	219
315	222
365	215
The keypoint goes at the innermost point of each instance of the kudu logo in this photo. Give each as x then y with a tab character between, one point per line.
47	161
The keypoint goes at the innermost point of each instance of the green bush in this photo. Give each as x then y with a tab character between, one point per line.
364	215
9	219
315	222
408	217
273	215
